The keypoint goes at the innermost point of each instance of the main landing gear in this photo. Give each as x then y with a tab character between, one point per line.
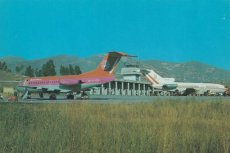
84	95
70	96
41	95
52	96
25	95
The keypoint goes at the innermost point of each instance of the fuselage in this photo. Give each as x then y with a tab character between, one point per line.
66	83
217	88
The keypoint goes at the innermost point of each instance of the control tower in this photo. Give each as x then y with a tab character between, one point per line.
131	71
130	82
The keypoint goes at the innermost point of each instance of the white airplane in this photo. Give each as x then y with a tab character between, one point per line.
184	88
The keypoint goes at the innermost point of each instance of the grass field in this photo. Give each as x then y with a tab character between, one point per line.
8	76
158	127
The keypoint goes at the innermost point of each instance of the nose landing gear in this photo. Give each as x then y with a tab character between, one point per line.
52	96
84	95
70	96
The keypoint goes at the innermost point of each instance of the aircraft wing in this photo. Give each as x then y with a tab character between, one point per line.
65	85
71	84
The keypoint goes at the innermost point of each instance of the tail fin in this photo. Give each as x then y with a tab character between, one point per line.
155	78
110	62
152	76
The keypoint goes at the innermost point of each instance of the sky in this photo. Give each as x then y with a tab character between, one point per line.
166	30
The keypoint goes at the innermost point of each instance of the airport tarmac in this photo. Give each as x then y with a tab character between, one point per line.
126	99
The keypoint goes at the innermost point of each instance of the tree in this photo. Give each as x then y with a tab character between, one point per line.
29	71
69	70
77	70
48	69
38	73
3	67
18	69
62	70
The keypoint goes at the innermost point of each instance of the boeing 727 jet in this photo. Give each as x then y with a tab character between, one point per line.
73	83
184	88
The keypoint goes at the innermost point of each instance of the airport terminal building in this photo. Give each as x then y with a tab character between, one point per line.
130	82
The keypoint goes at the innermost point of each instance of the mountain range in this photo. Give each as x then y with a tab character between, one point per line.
189	71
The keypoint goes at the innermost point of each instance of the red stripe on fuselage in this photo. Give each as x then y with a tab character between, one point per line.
153	79
42	82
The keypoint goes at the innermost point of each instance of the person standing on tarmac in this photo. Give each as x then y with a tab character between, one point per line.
16	95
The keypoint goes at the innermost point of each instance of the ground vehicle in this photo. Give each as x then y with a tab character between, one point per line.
227	92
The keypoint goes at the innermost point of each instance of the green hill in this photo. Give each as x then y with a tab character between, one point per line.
8	79
189	71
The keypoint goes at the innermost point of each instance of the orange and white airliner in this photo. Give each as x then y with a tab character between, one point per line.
73	83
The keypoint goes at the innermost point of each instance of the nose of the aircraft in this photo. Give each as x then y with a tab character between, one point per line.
20	88
20	83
